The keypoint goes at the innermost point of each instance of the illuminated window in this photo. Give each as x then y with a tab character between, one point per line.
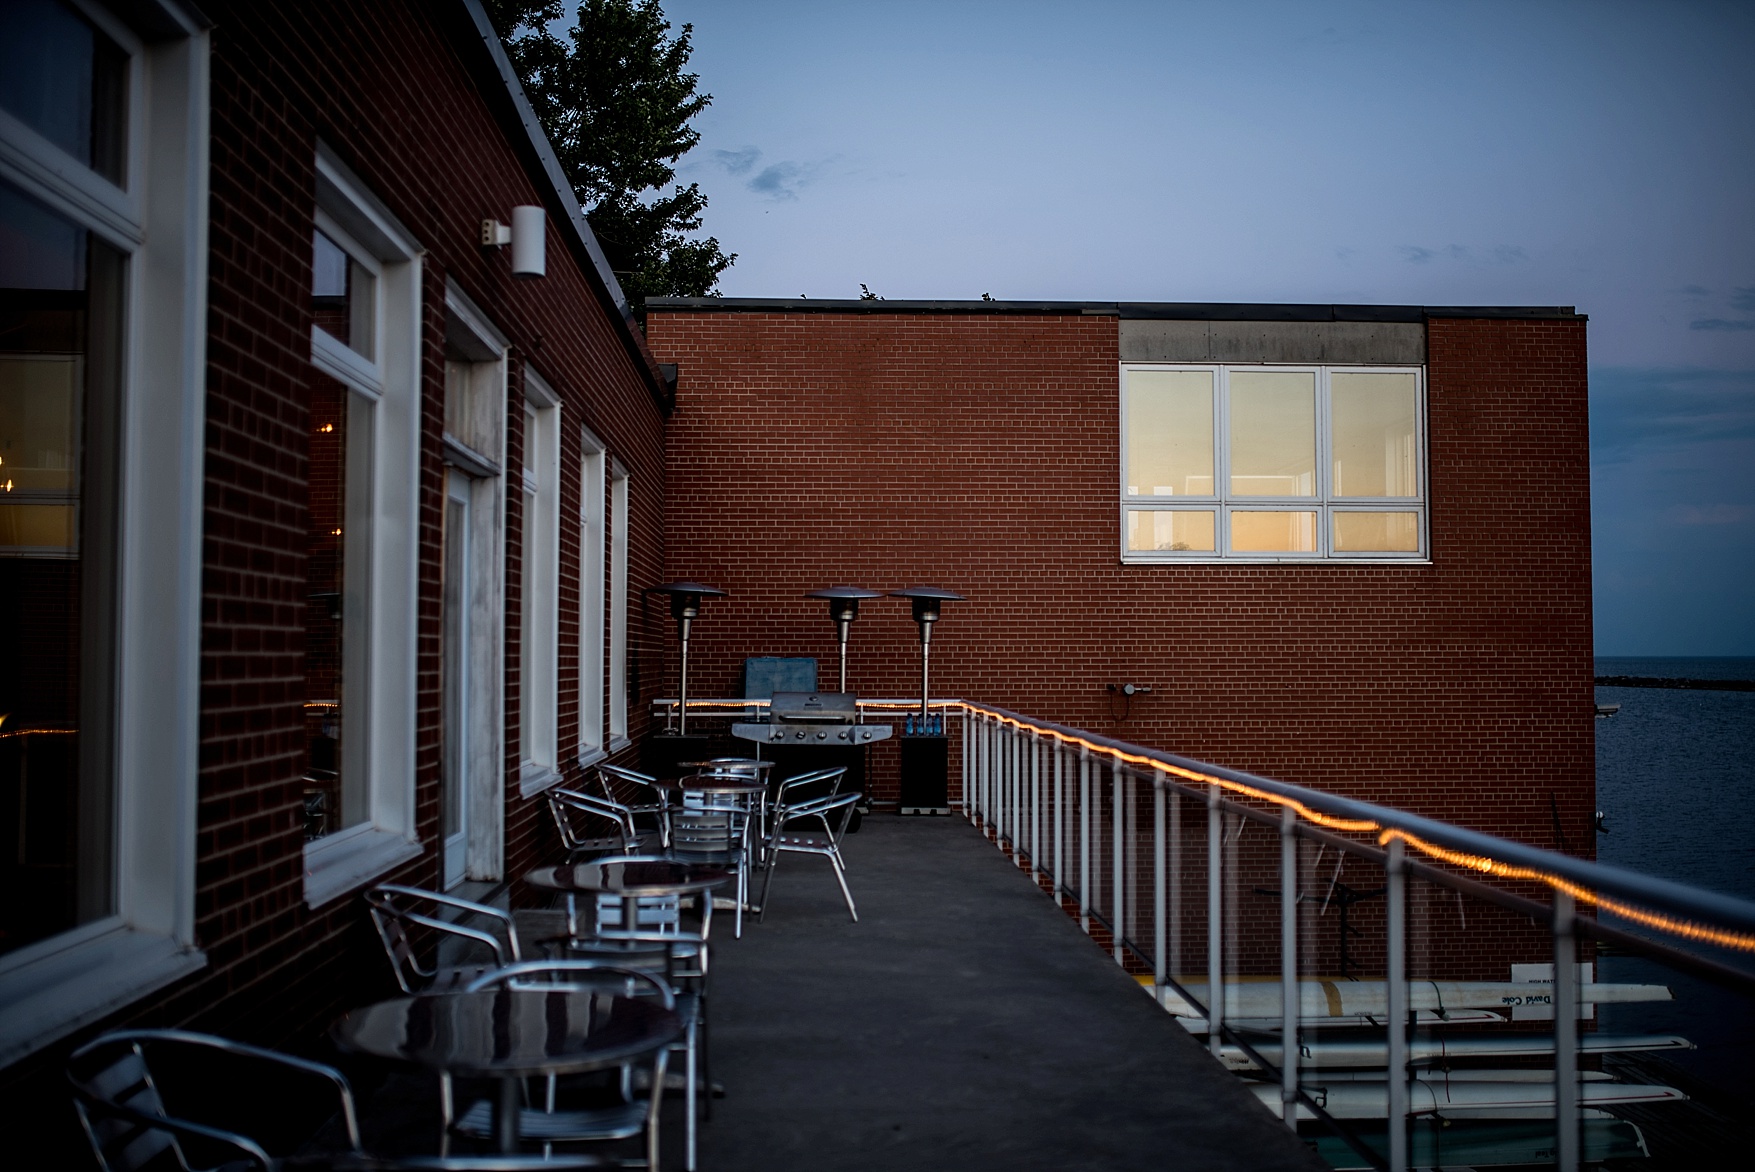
618	606
1272	463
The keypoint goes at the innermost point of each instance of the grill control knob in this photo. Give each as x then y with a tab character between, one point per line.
801	734
865	736
778	736
822	736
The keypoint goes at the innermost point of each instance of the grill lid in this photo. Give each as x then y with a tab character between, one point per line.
812	708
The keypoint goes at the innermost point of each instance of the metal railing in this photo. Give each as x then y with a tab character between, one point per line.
1115	832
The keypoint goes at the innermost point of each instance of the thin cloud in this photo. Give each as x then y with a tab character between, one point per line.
1721	514
738	162
1744	299
1695	291
1503	254
1415	255
1719	323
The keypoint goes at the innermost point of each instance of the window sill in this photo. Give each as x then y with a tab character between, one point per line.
1294	560
590	755
343	862
51	996
617	744
534	778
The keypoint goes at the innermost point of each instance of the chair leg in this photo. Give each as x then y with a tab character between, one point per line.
845	893
767	882
689	1095
447	1112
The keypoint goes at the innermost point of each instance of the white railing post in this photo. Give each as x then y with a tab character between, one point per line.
1174	801
1117	861
1215	923
1035	807
1085	839
1289	990
1059	819
963	724
1565	1034
1160	964
1395	880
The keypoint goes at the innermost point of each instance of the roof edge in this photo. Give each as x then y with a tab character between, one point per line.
1133	310
551	181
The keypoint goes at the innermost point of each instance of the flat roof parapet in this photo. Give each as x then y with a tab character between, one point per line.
1133	310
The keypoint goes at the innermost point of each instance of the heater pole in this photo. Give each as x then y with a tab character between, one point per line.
682	626
846	625
925	667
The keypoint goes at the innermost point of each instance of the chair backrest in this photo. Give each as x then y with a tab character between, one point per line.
124	1116
578	815
817	784
589	975
398	910
643	785
708	829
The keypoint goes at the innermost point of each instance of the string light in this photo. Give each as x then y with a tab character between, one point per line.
327	427
1687	929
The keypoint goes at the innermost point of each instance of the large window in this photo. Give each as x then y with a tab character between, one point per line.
103	198
363	479
1272	463
591	603
539	610
618	606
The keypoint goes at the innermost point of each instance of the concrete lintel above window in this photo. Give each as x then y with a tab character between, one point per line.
1332	342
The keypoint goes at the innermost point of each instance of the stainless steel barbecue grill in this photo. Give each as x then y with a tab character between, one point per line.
812	718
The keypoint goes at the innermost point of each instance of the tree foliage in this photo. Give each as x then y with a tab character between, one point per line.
616	101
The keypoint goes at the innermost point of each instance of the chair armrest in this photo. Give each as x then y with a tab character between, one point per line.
337	1080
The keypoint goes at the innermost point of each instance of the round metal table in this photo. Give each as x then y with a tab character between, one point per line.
509	1035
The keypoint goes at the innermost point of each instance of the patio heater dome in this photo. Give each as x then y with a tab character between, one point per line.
843	609
685	604
928	602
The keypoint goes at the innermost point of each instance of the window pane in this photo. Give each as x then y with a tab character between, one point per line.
1276	532
1159	529
60	351
342	295
67	81
1273	433
1169	433
1377	532
1373	436
326	809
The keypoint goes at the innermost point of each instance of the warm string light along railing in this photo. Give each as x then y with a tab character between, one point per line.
1483	864
1479	863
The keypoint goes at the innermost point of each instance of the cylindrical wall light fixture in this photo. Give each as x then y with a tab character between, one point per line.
529	241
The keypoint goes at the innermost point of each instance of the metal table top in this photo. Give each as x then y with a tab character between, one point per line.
630	877
510	1033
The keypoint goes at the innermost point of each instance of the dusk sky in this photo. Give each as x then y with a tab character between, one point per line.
1598	155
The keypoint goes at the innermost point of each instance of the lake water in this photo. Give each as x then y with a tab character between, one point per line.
1676	784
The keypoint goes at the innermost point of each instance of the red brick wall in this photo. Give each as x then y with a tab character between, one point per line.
382	86
979	453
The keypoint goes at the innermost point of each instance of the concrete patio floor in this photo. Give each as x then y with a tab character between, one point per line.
963	1023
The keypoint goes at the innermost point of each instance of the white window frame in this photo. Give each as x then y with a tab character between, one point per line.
485	348
538	660
382	577
593	462
159	221
618	606
1324	504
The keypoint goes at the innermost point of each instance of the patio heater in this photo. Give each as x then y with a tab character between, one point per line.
685	604
844	608
925	756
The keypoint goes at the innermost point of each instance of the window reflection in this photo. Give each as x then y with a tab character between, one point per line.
1273	532
342	295
60	342
1174	530
1373	434
1170	433
67	81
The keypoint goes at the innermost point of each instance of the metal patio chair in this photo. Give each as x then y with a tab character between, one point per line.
122	1109
548	1123
398	913
645	797
715	833
590	825
832	812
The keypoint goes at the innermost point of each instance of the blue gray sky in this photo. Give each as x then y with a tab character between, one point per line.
1600	155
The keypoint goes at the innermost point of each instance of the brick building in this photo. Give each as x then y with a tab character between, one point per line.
1345	546
325	531
318	513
